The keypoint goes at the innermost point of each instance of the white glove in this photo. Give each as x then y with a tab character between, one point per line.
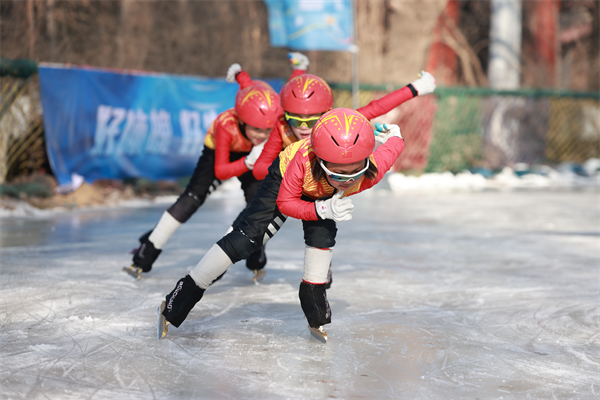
385	131
425	84
232	72
298	60
335	208
254	154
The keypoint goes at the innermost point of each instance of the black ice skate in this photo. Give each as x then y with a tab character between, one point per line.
256	262
314	303
177	305
143	257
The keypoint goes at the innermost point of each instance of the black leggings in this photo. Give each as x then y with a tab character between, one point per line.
261	219
204	182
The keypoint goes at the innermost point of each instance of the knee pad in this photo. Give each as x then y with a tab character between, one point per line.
314	303
181	300
320	234
238	246
257	260
185	206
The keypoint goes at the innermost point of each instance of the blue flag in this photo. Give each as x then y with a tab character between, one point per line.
117	124
311	24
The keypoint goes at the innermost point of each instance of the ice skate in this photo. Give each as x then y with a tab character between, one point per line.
143	257
314	303
256	263
134	271
259	275
162	325
318	333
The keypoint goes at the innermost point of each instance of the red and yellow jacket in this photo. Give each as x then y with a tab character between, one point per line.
224	136
282	135
294	165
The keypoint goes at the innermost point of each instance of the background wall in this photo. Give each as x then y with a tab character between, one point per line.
395	38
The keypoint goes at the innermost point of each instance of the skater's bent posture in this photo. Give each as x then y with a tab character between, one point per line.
310	180
304	99
232	145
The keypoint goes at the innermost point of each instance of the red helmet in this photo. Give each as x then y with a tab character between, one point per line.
343	136
258	105
306	94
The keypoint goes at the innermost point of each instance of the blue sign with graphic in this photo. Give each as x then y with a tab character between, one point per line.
311	24
116	124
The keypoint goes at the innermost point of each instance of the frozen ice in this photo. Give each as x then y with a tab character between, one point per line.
480	294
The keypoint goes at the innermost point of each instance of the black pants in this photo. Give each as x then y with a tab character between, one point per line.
204	182
261	219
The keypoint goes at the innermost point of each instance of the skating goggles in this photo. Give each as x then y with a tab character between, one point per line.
342	177
297	122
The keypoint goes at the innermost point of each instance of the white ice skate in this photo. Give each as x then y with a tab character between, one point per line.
162	325
318	333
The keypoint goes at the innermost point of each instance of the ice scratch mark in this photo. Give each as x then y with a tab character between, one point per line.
281	365
582	357
381	377
426	331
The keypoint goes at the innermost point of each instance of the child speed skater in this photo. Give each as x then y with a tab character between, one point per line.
304	99
233	143
315	181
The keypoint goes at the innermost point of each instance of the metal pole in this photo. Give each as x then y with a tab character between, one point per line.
354	55
504	69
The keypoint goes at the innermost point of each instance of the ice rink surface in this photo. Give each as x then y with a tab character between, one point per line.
491	295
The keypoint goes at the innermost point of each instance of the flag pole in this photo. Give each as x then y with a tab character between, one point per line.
354	55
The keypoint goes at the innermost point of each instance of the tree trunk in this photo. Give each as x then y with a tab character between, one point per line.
133	40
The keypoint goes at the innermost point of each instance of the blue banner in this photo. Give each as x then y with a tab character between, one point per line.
311	24
118	124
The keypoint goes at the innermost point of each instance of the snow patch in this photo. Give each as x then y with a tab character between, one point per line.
521	177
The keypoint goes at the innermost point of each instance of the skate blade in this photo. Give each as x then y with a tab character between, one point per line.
318	333
162	324
259	275
133	271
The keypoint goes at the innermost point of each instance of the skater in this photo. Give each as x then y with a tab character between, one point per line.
232	145
316	176
304	99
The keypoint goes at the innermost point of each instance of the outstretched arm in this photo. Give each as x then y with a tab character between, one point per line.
236	73
424	85
299	64
271	150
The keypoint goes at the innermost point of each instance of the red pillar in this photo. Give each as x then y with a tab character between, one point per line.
543	23
442	61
